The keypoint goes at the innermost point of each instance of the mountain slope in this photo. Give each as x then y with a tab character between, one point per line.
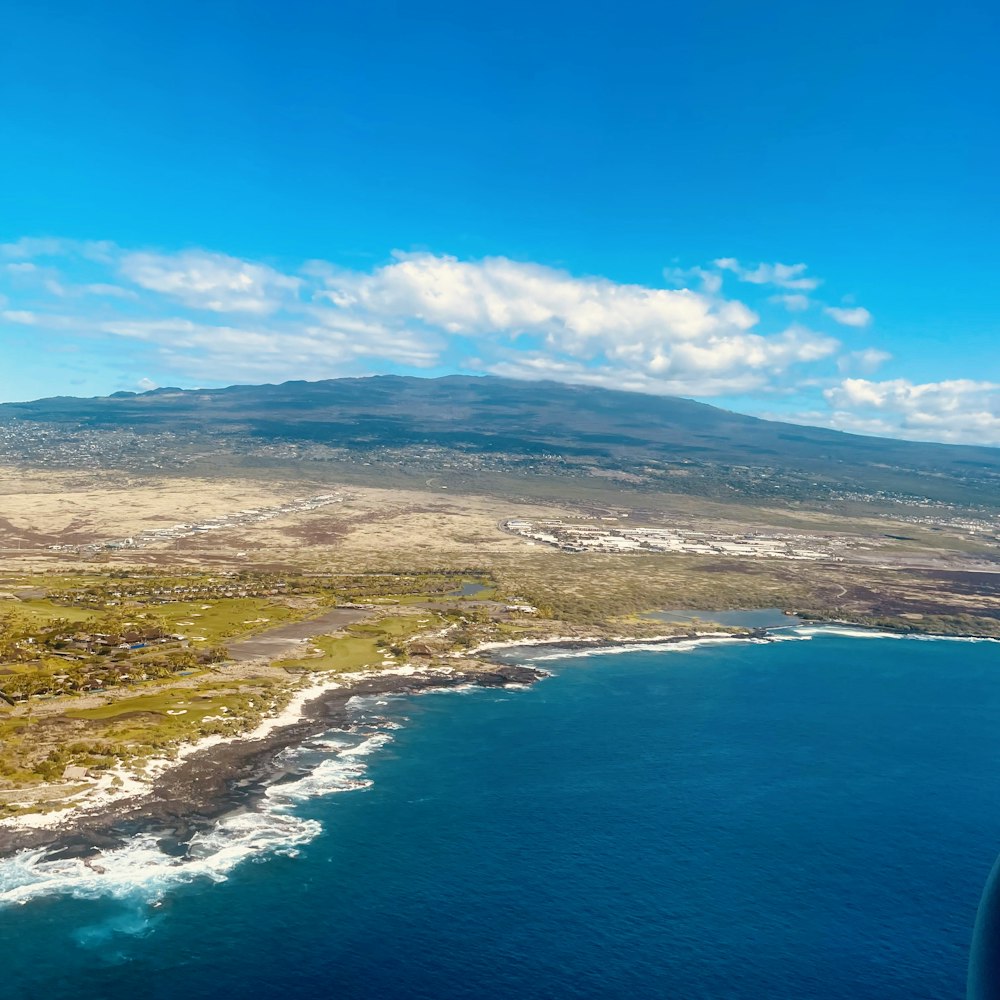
494	415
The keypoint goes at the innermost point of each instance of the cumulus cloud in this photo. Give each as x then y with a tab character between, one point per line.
502	295
631	330
853	316
956	411
791	276
213	318
211	281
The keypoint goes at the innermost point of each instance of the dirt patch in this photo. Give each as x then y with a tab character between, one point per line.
287	639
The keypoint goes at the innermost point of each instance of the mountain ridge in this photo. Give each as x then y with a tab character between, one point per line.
492	414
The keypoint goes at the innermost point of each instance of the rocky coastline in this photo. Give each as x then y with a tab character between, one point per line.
193	793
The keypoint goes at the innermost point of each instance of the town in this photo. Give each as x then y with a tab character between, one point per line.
610	535
60	658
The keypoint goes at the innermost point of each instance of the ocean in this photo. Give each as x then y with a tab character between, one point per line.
812	818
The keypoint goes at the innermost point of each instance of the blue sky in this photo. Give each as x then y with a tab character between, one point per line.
786	209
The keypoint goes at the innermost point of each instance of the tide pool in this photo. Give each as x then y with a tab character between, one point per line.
808	818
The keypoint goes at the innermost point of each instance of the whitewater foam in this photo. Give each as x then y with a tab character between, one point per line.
141	868
846	631
334	763
641	646
785	633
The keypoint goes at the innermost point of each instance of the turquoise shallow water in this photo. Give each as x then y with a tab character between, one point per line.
799	819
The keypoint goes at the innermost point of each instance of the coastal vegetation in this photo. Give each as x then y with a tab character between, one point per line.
112	656
86	690
96	673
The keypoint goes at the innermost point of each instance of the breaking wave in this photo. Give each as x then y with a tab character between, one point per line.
684	645
143	869
809	631
786	633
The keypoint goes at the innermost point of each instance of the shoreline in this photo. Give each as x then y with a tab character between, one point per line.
219	775
216	775
118	786
107	791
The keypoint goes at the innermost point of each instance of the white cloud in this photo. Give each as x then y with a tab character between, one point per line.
110	291
211	281
865	361
793	301
633	330
500	295
285	351
855	316
791	276
145	384
710	282
27	274
954	411
30	247
533	366
216	318
24	317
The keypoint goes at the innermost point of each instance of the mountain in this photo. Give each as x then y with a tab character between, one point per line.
495	416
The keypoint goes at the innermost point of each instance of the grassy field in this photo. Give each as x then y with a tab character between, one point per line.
364	646
131	729
165	716
215	621
40	612
405	554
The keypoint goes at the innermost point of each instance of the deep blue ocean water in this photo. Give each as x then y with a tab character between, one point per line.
800	819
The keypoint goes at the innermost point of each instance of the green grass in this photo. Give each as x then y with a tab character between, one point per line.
359	649
39	611
163	718
225	619
198	700
400	627
341	654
